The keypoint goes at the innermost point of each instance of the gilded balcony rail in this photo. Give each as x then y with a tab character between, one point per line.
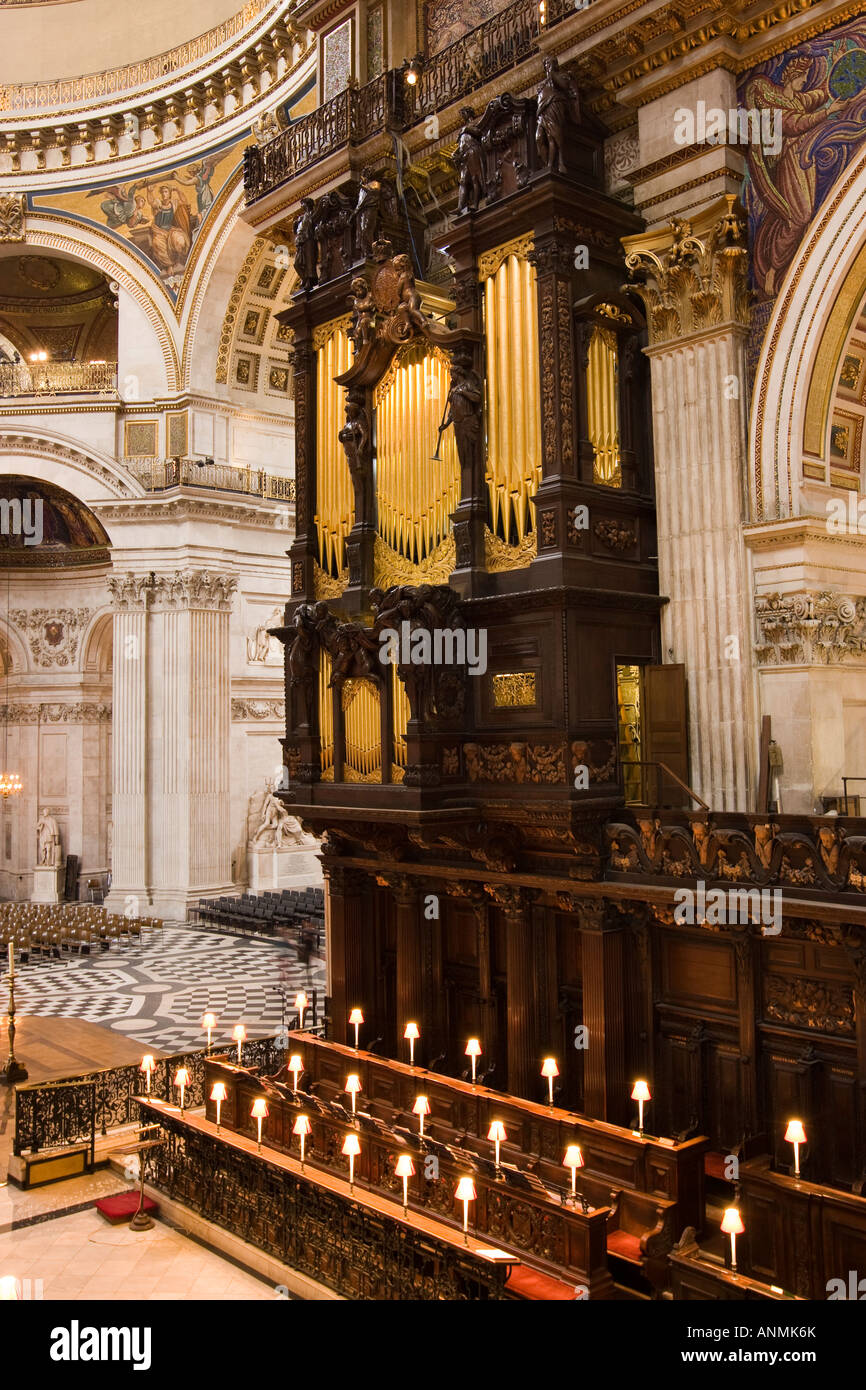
388	103
157	475
57	378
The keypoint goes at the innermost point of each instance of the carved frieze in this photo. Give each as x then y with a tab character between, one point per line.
53	635
244	711
56	713
809	628
515	762
803	1003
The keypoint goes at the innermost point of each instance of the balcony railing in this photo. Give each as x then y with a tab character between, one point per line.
57	378
157	475
388	103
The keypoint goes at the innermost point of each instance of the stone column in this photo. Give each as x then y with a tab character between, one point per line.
692	279
130	867
605	1084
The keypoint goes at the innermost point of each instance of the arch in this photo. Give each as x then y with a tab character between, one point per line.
97	646
12	645
85	472
69	237
809	325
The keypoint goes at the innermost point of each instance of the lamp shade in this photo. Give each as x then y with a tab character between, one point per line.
300	1001
352	1145
573	1157
496	1132
465	1191
421	1106
356	1016
209	1021
181	1077
473	1048
147	1063
219	1091
296	1062
795	1133
412	1032
404	1167
353	1083
302	1125
239	1032
260	1108
549	1067
732	1222
641	1091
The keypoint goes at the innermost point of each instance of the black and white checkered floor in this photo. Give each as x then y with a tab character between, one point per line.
158	991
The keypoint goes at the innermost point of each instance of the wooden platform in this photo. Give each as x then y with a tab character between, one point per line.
53	1048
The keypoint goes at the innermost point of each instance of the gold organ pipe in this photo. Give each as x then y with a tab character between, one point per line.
326	715
362	724
602	405
335	514
513	395
401	716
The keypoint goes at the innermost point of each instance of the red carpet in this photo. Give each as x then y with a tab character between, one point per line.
529	1283
123	1206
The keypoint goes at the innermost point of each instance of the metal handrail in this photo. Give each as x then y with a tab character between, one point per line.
845	781
673	776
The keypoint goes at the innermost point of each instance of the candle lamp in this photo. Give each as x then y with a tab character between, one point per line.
148	1066
209	1022
421	1108
465	1193
296	1066
13	1071
351	1147
573	1160
549	1069
795	1134
239	1034
301	1002
356	1018
302	1128
405	1169
353	1086
181	1079
473	1050
732	1225
497	1133
412	1034
641	1093
259	1112
218	1095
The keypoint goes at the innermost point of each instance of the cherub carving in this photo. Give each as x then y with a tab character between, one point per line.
363	329
408	314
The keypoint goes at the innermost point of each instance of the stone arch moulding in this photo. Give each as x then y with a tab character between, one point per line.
220	245
809	325
87	474
56	233
96	644
12	641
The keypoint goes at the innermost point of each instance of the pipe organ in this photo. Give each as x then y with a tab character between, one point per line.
512	387
362	722
602	405
335	506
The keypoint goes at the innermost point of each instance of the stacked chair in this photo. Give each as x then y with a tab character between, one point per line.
292	910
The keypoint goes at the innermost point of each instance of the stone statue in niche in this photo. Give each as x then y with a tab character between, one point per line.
306	245
465	407
558	101
47	841
355	438
363	329
468	159
368	211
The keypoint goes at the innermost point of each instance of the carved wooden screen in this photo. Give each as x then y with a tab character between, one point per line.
362	724
415	493
513	391
602	405
335	509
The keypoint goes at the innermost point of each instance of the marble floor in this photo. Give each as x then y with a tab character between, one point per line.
156	992
82	1257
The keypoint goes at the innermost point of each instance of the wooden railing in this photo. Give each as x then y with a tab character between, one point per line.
389	103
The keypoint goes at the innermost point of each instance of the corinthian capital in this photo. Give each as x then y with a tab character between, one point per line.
692	276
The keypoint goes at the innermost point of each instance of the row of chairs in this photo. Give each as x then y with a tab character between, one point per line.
45	932
292	908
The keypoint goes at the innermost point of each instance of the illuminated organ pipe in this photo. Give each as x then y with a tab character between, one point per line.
335	498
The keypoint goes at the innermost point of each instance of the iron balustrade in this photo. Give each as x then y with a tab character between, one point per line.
59	1108
389	103
158	475
57	378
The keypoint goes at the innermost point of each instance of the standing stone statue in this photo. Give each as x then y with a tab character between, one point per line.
47	841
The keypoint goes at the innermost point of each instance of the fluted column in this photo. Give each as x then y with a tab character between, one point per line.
130	868
348	964
692	278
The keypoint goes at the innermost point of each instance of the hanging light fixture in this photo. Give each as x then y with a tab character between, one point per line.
10	782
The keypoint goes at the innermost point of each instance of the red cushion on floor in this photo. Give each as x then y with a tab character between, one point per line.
625	1245
122	1206
714	1166
530	1283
